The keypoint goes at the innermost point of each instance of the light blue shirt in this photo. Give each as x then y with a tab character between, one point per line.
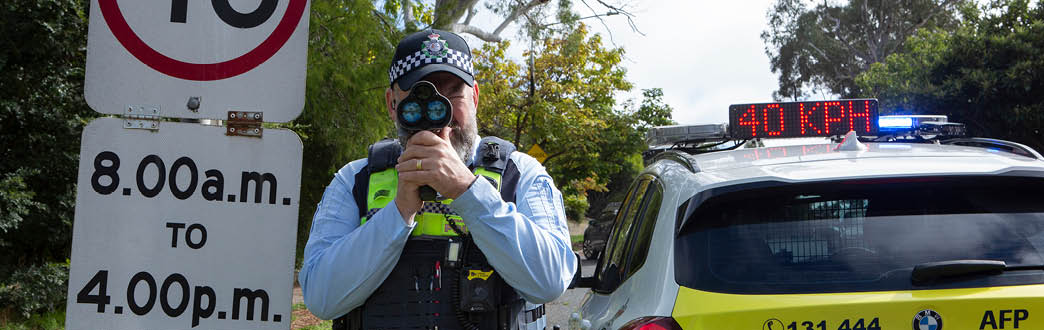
526	242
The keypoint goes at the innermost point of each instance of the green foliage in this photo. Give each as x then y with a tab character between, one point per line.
630	143
575	195
349	50
47	321
575	206
901	82
36	289
42	114
987	74
576	239
16	201
563	99
616	189
825	47
325	325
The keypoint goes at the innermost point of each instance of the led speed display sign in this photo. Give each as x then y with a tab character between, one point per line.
803	119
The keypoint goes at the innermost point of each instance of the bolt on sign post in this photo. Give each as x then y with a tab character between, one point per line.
181	225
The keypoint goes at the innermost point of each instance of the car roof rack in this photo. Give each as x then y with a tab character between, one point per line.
938	129
995	144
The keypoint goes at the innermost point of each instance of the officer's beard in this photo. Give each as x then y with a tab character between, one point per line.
463	139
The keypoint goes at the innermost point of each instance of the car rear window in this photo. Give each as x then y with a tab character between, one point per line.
866	235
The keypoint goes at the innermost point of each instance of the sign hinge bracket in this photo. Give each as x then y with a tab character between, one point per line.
244	123
142	117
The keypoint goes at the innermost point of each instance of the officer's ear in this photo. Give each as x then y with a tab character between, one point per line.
476	95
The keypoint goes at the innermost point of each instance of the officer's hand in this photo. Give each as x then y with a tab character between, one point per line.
407	199
440	168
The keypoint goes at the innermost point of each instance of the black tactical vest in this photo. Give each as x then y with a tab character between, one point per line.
441	282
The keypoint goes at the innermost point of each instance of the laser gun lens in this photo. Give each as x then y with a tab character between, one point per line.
436	111
411	112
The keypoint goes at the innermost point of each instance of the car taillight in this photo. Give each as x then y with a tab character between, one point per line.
652	323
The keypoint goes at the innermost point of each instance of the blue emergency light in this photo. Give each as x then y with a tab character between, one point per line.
907	122
889	122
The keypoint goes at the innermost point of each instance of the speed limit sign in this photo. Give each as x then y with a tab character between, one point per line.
198	59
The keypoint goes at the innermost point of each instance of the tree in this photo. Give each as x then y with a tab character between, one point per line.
563	100
824	48
987	74
349	51
627	153
42	113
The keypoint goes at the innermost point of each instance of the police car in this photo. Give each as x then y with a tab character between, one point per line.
891	222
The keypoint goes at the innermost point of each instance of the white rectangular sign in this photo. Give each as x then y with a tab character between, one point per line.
198	59
183	228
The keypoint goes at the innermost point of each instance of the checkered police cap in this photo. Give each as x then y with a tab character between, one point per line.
429	51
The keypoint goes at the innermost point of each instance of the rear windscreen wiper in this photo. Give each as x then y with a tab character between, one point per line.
931	271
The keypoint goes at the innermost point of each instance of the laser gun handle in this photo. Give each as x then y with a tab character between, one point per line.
427	193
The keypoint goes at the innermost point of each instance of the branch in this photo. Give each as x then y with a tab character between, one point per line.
471	13
523	121
612	39
515	13
563	152
837	72
449	12
520	123
582	18
820	51
630	17
380	16
873	39
494	36
920	24
837	29
407	14
475	31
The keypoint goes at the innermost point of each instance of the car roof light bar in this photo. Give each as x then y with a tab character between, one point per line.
924	126
674	134
905	122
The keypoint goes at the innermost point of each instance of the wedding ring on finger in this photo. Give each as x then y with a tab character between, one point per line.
419	164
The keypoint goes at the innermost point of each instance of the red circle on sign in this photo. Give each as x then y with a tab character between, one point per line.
204	72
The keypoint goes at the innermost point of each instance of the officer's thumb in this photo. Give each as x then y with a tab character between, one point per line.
445	133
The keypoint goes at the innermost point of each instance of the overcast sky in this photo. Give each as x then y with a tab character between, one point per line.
705	55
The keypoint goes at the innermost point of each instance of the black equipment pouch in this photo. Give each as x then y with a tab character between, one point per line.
416	295
479	289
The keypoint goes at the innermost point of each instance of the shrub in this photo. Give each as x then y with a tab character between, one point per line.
575	206
37	289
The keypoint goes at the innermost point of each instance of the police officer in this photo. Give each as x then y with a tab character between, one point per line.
486	254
